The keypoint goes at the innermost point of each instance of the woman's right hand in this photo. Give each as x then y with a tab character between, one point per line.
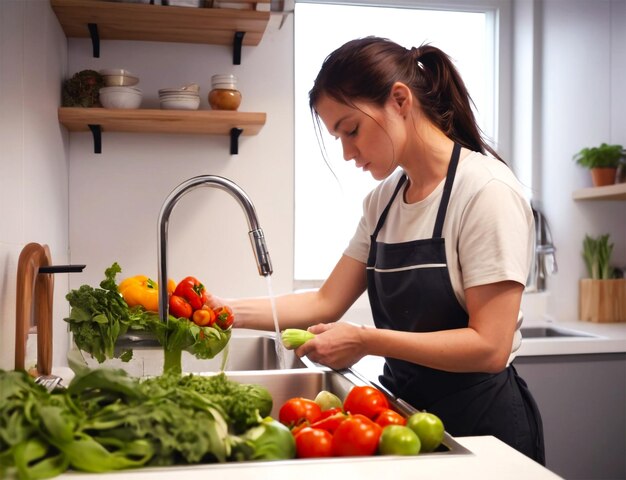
213	301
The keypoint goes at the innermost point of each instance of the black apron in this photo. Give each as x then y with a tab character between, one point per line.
409	289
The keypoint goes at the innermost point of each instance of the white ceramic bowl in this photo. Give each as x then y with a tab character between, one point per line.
120	97
118	77
180	102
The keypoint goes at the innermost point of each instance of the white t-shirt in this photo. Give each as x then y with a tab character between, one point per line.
488	229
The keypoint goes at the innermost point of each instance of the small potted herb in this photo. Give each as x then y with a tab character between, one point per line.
602	297
602	161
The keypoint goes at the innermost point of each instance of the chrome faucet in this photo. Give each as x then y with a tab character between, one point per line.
257	239
544	259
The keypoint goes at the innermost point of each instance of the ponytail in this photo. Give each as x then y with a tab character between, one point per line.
366	69
444	98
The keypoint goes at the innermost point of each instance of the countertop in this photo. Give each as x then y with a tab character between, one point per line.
604	338
490	459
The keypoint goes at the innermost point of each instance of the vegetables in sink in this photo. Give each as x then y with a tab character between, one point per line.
100	316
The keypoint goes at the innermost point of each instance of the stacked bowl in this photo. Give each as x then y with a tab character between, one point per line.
183	98
119	91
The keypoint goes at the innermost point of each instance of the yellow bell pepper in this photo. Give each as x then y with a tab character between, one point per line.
141	290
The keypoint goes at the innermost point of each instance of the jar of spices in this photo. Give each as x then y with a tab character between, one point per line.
224	94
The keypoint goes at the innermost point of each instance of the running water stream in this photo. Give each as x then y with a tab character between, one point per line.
280	349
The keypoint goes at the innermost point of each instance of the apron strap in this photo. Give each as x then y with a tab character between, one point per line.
383	216
447	189
445	197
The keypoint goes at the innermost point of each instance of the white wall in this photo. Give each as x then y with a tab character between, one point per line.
33	156
583	104
116	196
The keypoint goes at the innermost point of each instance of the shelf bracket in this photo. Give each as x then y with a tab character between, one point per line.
234	140
237	43
96	131
95	39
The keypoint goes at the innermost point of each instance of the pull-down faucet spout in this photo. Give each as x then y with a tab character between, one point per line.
257	239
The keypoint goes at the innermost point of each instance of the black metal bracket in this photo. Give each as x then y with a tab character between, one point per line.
62	269
234	140
96	131
95	39
237	43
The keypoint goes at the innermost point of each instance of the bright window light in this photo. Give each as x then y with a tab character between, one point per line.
328	198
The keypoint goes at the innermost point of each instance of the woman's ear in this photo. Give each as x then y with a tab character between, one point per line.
401	98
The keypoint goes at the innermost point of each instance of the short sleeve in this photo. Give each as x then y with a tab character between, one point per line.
496	236
359	245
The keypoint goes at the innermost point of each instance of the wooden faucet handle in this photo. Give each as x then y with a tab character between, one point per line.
32	257
44	293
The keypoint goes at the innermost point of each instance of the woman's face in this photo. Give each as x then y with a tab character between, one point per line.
372	136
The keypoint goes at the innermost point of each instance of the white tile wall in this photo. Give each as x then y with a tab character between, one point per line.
33	156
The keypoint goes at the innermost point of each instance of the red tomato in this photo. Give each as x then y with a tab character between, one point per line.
224	317
193	291
313	443
296	410
356	436
330	423
365	400
205	317
179	307
330	412
389	417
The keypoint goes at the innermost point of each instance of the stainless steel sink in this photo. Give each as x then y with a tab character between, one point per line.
553	332
308	382
246	350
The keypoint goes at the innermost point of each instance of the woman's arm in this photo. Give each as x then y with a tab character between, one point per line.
484	346
300	310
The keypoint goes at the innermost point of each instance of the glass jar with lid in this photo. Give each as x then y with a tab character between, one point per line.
224	94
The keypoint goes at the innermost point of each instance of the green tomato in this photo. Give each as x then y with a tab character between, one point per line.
327	400
398	440
429	429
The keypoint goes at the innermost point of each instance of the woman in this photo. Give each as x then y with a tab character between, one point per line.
443	247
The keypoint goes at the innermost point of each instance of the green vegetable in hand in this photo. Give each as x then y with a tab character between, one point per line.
294	337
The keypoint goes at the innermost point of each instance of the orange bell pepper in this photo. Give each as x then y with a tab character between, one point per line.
143	291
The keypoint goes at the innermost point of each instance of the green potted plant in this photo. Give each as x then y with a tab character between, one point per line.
602	297
602	161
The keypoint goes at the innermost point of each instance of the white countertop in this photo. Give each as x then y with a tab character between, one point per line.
490	459
607	338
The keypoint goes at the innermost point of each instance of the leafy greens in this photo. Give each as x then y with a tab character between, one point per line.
106	420
100	316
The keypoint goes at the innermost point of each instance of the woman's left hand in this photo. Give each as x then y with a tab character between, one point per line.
336	345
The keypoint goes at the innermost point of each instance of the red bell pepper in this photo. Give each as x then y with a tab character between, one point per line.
193	291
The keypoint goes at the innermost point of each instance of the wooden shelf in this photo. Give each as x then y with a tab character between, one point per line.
212	122
610	192
128	21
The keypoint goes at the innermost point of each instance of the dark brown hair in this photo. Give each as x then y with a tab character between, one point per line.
365	69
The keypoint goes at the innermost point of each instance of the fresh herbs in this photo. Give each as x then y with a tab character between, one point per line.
597	254
106	420
99	316
603	156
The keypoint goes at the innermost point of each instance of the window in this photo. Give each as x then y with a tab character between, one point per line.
328	198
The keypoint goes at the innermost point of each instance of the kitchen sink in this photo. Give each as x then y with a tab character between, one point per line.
246	350
308	382
553	332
